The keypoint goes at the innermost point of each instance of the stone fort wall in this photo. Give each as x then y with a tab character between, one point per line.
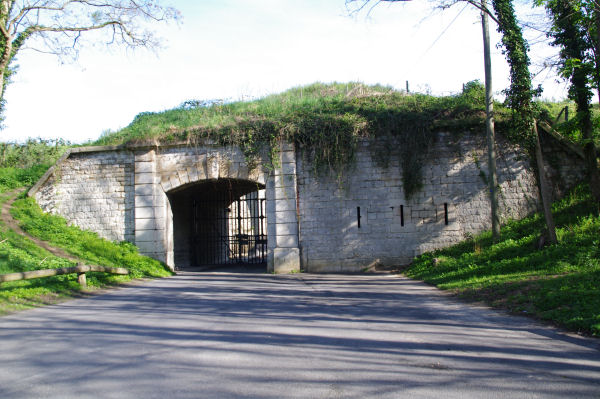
319	223
93	190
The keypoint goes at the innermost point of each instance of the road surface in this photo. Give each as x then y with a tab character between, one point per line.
238	335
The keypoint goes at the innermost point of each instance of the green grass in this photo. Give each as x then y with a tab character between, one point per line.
327	120
19	254
304	111
559	283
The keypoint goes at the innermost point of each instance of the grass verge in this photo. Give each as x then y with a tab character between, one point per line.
18	253
558	283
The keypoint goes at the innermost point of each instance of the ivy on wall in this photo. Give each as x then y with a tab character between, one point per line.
326	121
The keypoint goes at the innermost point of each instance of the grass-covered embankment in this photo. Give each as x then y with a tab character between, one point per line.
18	254
559	283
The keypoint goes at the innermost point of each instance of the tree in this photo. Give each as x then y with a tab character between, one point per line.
520	97
60	26
520	94
575	30
489	106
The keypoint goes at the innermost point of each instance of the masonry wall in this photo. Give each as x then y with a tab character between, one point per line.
312	221
94	191
452	205
123	194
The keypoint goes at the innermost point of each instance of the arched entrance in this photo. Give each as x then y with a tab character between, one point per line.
219	222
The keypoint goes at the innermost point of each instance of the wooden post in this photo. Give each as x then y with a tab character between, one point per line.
81	279
545	190
490	131
80	269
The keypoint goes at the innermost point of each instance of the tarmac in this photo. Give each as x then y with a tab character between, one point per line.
227	333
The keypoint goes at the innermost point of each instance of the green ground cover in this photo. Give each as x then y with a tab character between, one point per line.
19	254
558	283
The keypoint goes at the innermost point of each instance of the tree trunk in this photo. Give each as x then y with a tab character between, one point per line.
597	46
545	193
589	147
5	45
589	152
489	124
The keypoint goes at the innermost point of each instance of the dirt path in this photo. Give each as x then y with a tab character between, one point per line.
13	224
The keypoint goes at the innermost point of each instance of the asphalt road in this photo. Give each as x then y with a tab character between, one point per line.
232	335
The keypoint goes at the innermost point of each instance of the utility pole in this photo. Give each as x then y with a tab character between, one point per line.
489	124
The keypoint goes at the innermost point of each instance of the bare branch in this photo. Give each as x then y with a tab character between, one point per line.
60	26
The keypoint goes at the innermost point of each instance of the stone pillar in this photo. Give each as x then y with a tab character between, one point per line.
150	209
282	215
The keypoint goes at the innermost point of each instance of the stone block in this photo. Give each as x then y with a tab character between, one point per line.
144	189
192	174
144	167
144	201
145	212
212	166
224	169
290	241
149	235
147	156
148	248
174	181
288	192
287	156
165	184
286	147
286	229
200	166
150	224
284	204
256	174
286	260
286	217
285	169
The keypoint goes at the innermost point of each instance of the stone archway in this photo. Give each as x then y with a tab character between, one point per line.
219	222
160	171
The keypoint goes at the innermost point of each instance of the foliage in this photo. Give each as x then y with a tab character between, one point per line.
326	120
84	244
573	25
32	153
520	94
474	93
19	254
574	31
11	178
559	283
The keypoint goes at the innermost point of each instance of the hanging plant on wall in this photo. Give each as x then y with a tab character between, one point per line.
326	121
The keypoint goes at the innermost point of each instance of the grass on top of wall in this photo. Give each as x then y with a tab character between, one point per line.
297	113
18	254
559	283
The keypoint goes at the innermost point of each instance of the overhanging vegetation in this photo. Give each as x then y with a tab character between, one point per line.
327	120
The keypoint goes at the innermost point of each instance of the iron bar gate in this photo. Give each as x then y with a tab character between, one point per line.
229	230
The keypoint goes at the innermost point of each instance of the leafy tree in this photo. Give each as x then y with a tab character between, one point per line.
575	31
519	97
60	26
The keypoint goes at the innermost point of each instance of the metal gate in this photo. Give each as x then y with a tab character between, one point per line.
229	230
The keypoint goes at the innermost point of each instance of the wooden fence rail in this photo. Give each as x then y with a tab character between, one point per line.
79	269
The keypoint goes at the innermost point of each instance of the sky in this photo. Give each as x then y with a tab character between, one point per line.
243	49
